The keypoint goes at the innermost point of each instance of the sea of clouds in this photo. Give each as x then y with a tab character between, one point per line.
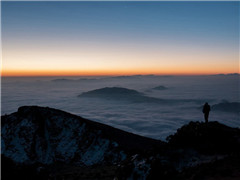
163	105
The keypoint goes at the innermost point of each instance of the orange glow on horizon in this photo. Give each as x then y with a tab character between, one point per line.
9	73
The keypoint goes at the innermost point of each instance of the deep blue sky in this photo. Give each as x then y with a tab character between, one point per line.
151	27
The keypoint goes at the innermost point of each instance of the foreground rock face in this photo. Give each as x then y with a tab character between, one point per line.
45	143
44	135
208	138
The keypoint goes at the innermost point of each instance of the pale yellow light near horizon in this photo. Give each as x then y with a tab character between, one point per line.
114	61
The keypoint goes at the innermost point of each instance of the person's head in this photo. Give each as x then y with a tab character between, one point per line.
206	103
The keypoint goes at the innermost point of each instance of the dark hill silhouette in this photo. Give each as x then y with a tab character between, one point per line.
121	94
208	138
111	78
46	143
111	91
130	95
233	107
231	74
160	88
36	128
62	80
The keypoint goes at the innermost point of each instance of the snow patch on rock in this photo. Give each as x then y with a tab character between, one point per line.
95	153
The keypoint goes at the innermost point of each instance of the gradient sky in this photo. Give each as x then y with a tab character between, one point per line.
113	38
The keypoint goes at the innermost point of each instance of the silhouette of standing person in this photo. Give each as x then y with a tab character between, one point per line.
206	110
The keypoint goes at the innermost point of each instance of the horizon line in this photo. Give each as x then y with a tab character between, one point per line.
57	75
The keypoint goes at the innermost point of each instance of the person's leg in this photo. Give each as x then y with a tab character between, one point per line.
206	117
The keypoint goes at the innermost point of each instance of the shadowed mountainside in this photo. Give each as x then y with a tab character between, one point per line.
48	135
232	107
130	95
45	143
120	94
160	88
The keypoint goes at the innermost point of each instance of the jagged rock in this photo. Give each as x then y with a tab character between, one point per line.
46	135
210	138
46	143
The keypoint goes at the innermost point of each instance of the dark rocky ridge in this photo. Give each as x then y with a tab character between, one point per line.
45	143
50	127
208	138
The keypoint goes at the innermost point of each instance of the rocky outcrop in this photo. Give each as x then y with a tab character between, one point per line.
46	143
210	138
45	135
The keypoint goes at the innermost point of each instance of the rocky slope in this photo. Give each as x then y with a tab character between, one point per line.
45	135
45	143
